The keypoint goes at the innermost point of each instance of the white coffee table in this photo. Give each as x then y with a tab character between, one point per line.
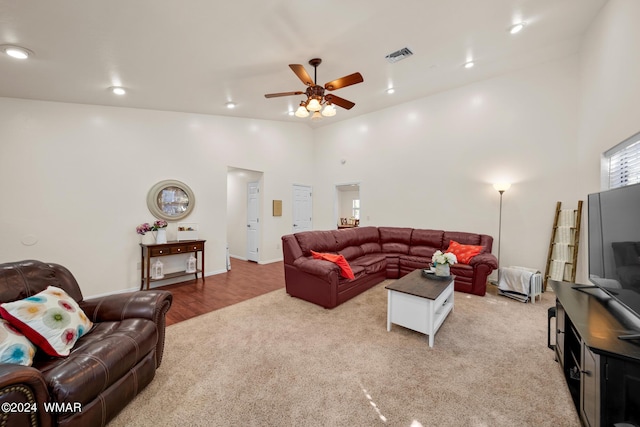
419	303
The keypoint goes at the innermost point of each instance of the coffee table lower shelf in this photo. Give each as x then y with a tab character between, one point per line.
419	313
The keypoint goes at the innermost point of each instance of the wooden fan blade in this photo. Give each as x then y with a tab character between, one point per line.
302	74
345	81
340	102
275	95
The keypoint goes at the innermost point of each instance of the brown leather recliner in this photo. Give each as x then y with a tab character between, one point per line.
107	367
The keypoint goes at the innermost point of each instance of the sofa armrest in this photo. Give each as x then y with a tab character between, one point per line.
23	386
317	267
139	304
152	305
486	258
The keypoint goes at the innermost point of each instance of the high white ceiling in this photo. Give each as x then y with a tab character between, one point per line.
196	55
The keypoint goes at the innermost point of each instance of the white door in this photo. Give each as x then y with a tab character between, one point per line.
253	220
302	208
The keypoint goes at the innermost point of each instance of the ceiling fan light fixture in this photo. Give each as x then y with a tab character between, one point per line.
316	116
329	110
314	105
302	111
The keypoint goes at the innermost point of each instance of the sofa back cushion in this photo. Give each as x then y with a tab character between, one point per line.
369	240
348	243
319	241
425	242
19	280
395	239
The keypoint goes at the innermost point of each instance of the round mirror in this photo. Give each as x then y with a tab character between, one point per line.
170	200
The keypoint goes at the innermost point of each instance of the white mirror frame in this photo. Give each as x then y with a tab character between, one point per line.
156	208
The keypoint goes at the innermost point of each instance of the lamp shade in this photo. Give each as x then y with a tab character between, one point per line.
314	105
501	187
329	110
302	112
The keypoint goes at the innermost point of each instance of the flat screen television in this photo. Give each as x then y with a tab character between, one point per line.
614	246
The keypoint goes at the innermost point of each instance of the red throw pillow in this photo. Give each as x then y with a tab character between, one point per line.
345	268
464	253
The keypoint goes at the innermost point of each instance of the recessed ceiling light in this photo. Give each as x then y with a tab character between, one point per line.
16	52
516	28
469	64
117	90
230	105
390	90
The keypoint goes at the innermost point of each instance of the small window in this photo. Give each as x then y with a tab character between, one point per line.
623	163
355	210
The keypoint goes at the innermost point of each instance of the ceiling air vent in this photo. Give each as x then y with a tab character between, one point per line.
398	55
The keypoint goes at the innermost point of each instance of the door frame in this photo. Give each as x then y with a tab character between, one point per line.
255	184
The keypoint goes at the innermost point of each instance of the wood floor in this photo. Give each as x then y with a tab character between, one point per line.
245	280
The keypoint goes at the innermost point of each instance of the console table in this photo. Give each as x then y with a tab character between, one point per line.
601	370
167	249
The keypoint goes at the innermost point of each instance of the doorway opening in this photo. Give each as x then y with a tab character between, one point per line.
347	205
244	209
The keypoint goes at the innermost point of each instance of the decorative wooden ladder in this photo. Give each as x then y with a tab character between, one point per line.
562	259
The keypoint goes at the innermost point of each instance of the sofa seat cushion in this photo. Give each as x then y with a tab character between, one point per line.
358	273
371	263
408	263
99	359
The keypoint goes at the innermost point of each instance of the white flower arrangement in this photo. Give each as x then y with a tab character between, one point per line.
446	258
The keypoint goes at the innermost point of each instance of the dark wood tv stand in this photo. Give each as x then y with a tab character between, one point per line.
602	370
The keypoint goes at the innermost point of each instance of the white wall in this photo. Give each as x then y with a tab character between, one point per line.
610	92
76	177
430	163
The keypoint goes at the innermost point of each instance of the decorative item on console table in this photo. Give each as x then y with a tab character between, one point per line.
161	237
159	226
191	264
187	231
157	272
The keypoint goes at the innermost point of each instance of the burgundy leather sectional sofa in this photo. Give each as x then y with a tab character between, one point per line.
375	254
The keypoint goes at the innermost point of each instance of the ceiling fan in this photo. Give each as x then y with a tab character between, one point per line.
315	93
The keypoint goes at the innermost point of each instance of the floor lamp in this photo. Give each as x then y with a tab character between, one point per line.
501	188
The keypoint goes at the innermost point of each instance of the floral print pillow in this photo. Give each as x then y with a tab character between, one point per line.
15	347
51	319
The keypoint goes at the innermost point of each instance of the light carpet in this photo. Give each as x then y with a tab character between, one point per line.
275	360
